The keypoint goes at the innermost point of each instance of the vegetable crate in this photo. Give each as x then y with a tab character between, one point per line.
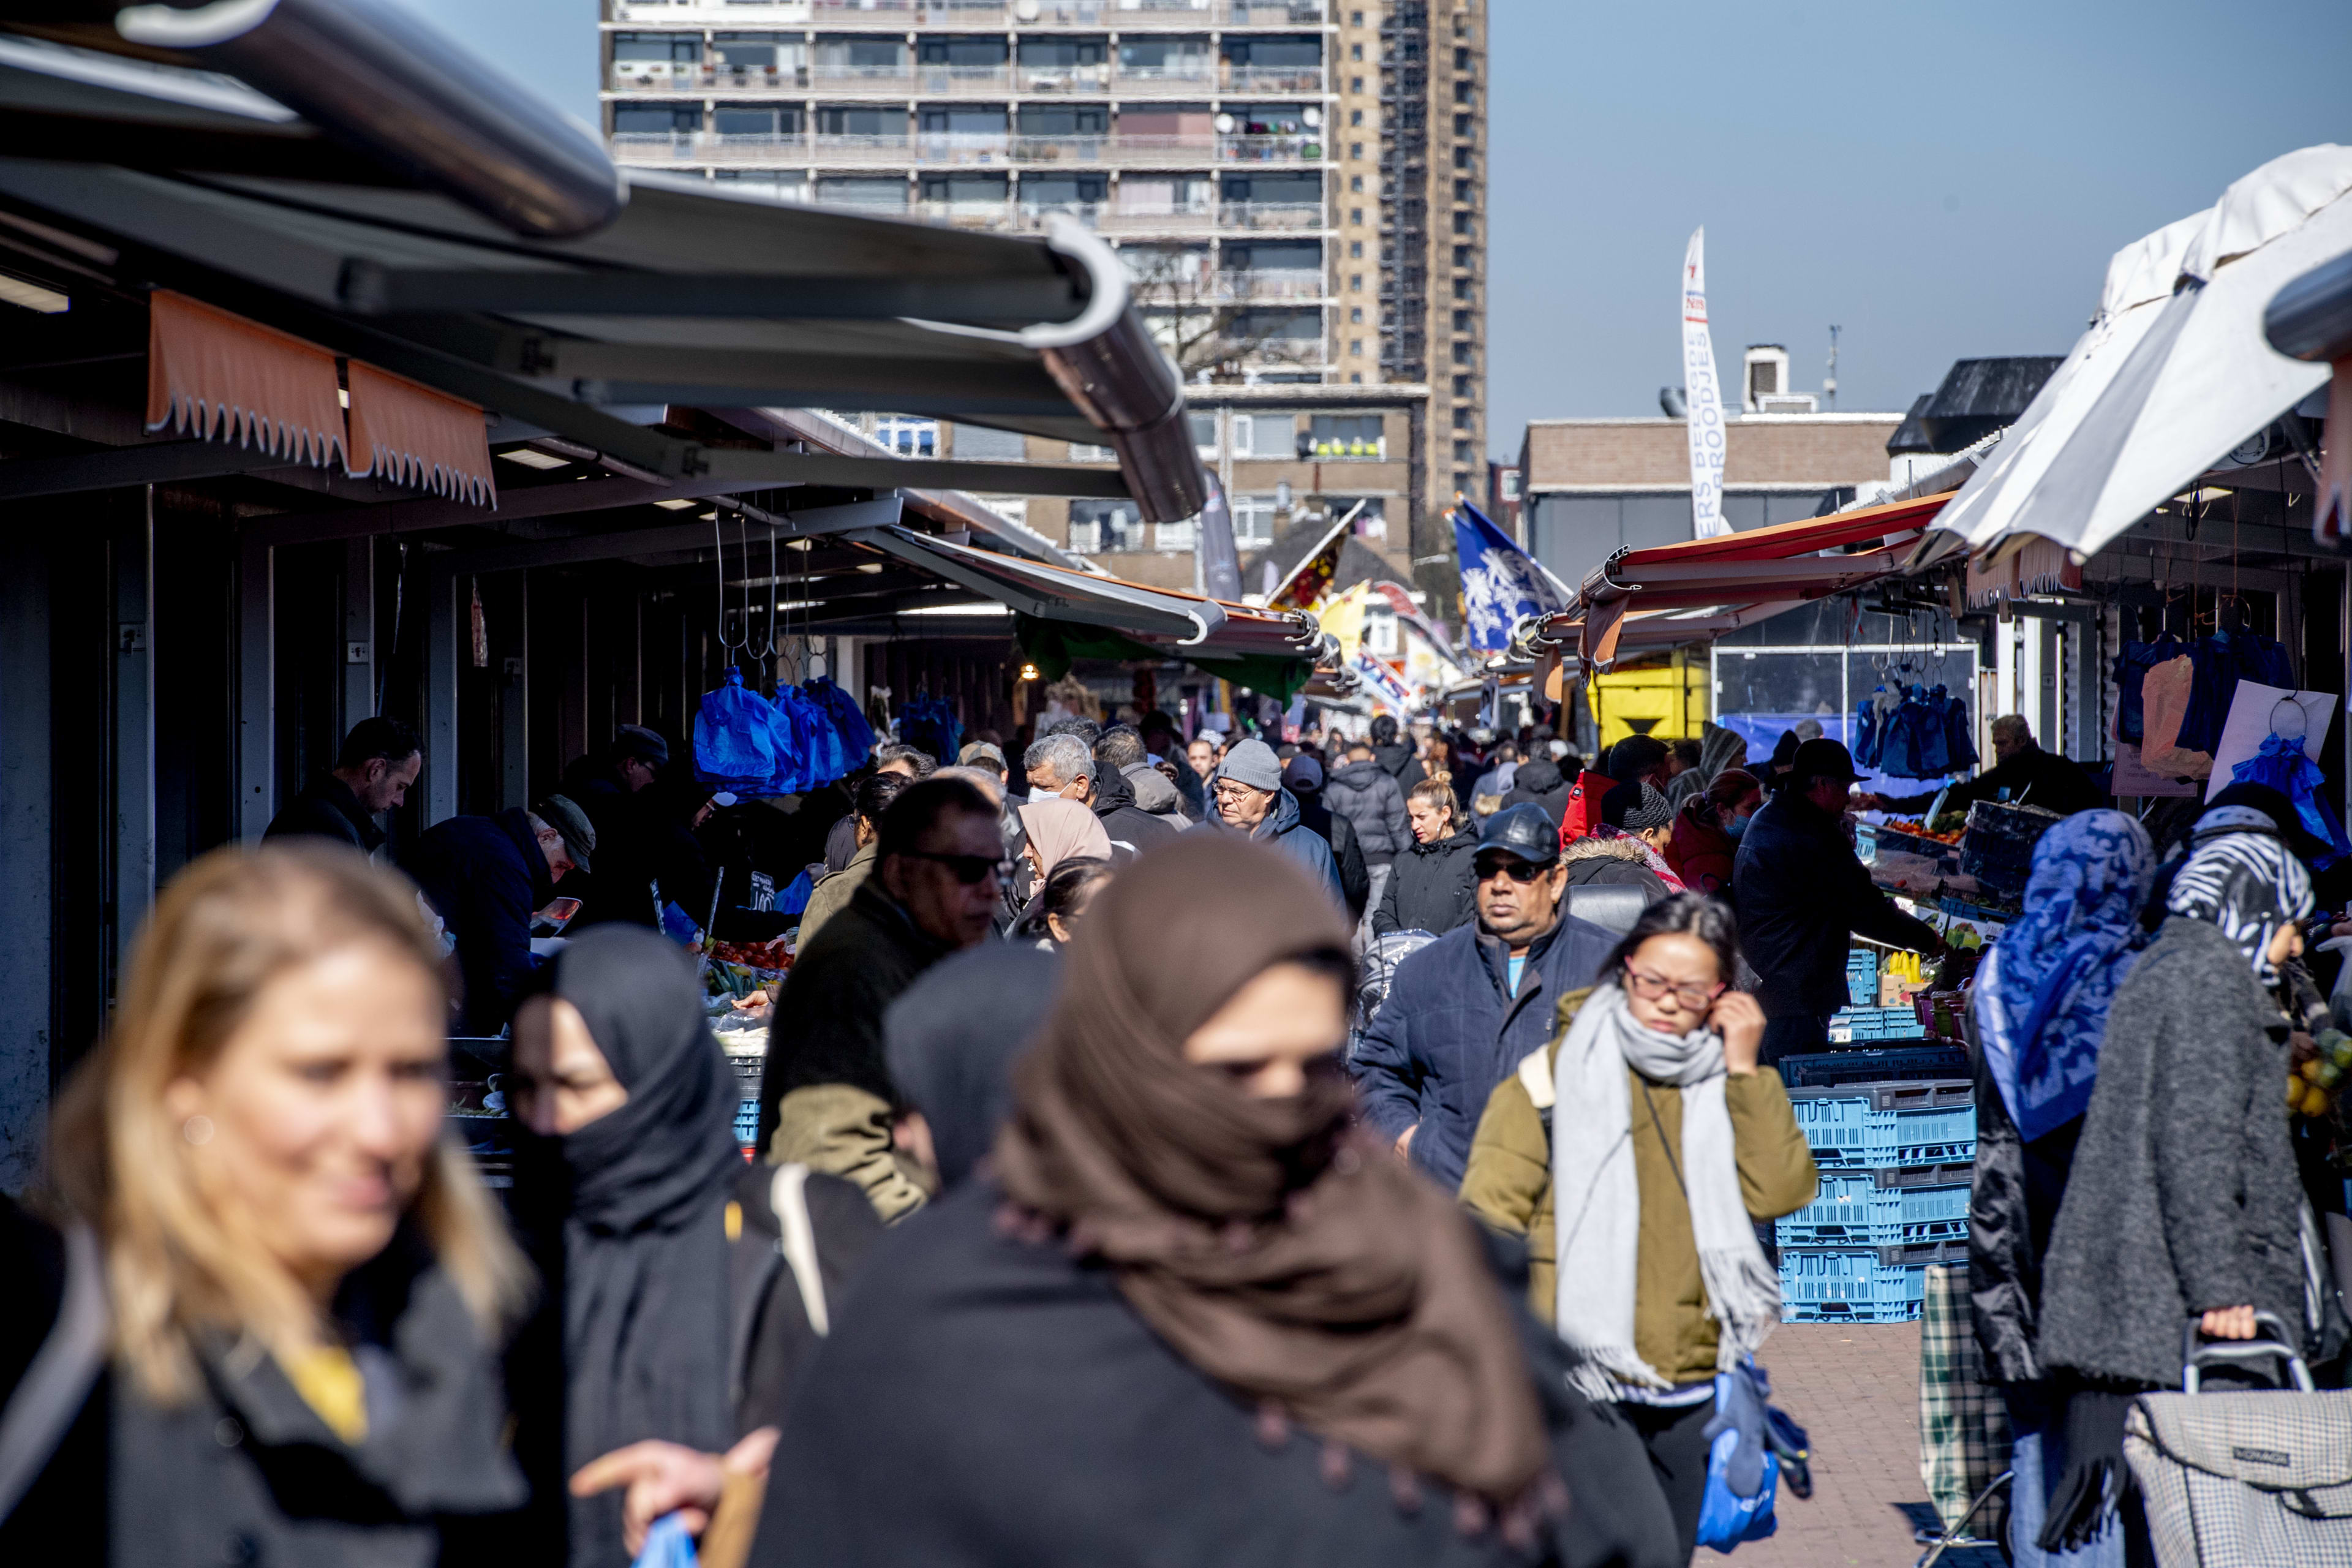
750	1065
1859	1284
1893	1207
1862	976
747	1123
1858	1024
1868	1126
1874	1064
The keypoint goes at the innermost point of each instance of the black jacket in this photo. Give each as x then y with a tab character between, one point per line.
1034	1418
2032	777
1399	763
1431	888
1538	783
1132	829
2185	1195
828	1026
485	874
327	809
1347	848
1801	895
772	1328
1369	798
2012	1205
1450	1031
244	1472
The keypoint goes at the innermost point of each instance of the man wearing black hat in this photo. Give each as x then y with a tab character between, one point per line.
619	797
1800	892
1463	1012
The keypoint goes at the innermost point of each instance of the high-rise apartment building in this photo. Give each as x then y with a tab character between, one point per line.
1294	183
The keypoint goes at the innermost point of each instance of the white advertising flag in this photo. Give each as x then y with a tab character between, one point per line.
1703	397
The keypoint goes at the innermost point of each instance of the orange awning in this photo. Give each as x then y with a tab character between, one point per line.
220	377
1664	594
416	437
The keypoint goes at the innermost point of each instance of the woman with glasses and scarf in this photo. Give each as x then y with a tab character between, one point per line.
1188	1315
1666	1142
2184	1203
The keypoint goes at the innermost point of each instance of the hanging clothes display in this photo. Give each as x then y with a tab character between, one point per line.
1926	736
1959	737
928	725
737	742
2131	676
2221	660
2165	694
2285	765
856	736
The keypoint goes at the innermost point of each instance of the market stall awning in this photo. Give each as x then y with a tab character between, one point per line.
1668	595
149	177
2173	373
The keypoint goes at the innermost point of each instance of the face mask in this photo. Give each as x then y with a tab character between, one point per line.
1736	826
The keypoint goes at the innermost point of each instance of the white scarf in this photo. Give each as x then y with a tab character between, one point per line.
1597	1198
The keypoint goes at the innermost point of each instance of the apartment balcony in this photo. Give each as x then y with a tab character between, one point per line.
1295	284
1273	148
1048	81
1036	215
1193	79
727	13
879	81
1273	79
964	214
963	81
685	76
1150	15
1190	219
1272	216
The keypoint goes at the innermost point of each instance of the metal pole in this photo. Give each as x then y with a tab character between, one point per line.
256	688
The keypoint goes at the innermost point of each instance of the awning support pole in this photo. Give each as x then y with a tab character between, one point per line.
256	688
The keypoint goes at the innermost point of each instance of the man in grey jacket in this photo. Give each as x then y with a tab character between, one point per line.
1366	793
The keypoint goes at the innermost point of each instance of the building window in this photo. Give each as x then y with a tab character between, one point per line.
1345	435
1204	432
1461	223
1463	193
1355	282
1461	288
1355	315
1462	157
1461	386
1356	150
1242	436
1355	347
656	119
1105	525
908	437
1253	520
1461	419
1356	183
1461	256
1080	452
1461	451
1177	536
1462	125
1355	18
1355	51
1356	378
1461	320
1461	354
1355	117
1355	250
1356	214
1461	59
1355	84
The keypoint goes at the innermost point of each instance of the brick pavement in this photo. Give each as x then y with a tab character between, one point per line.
1855	1388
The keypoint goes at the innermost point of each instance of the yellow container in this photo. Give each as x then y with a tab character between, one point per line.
1666	697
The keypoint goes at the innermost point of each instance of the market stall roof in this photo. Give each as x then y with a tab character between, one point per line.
1668	595
689	295
2173	373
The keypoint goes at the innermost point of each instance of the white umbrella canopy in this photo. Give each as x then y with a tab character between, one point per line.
2175	370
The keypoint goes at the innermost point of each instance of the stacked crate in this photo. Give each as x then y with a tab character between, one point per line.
1894	1159
750	1060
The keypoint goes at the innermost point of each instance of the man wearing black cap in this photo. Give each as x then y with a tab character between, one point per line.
628	829
485	875
1800	892
1464	1010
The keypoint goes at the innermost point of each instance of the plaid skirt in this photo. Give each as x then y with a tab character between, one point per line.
1963	1425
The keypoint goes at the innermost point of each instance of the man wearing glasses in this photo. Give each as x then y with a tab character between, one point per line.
1465	1010
1247	795
826	1100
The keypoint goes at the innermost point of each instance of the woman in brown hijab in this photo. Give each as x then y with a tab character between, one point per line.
1190	1315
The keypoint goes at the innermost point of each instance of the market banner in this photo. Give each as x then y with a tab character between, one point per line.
1310	580
1343	617
1381	684
1702	397
1221	562
1501	584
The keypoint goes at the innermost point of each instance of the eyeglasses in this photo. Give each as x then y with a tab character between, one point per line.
1519	870
1654	987
968	870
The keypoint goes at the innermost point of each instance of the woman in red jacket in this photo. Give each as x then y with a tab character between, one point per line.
1707	830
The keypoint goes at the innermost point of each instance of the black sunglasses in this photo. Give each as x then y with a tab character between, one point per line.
967	869
1519	870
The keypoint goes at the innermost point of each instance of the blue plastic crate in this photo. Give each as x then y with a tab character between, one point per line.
1862	977
1859	1284
1874	1064
1904	1204
1866	1126
1877	1024
747	1123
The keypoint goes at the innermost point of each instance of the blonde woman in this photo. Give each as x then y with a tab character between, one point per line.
295	1287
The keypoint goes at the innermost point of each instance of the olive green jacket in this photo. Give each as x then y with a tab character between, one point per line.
1508	1183
830	894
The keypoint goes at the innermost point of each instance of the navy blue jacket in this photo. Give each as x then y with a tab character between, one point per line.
1282	830
485	874
1800	893
1449	1033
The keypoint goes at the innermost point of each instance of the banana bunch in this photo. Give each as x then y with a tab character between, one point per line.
2311	1089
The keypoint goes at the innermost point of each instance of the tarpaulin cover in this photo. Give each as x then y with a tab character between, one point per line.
220	377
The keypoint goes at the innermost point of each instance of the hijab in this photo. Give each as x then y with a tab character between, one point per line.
1295	1262
638	1197
951	1039
1061	828
2042	998
2242	881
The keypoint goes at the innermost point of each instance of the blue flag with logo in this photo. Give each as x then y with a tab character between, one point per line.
1500	582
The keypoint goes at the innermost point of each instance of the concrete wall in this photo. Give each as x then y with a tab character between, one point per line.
1769	449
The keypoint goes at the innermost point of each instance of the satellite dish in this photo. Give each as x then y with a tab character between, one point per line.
1312	116
1025	10
1225	125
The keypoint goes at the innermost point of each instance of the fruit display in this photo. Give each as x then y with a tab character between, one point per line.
2312	1087
1950	834
770	955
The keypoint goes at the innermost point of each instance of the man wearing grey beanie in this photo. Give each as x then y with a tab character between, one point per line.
1246	791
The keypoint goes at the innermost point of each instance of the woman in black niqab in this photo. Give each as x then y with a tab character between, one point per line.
627	1215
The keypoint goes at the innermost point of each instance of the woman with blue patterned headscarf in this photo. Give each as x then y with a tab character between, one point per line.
2042	997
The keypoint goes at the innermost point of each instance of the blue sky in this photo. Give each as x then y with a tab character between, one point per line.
1943	180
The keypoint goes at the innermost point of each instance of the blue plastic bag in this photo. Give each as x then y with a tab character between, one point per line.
667	1545
848	723
735	737
1743	1474
794	898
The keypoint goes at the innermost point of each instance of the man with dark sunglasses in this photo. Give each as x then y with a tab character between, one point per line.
1463	1012
827	1099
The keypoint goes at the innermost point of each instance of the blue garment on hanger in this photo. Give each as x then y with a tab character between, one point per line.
2221	661
2132	666
2283	765
1865	733
1959	743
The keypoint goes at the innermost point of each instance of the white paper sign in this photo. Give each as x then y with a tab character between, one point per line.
1703	395
2258	711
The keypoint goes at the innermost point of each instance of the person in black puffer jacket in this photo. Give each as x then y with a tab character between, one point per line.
1538	783
1430	885
1397	757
